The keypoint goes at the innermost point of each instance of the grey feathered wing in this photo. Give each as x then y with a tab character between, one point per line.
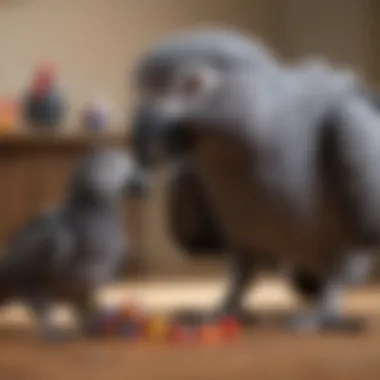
36	252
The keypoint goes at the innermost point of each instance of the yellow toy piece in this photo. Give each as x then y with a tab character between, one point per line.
157	328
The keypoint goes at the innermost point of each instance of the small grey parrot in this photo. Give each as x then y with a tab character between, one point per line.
66	253
287	157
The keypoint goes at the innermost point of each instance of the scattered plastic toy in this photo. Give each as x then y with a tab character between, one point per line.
131	323
95	116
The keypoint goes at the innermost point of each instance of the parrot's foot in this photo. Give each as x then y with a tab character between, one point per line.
314	321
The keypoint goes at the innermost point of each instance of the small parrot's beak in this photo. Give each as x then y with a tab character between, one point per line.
137	185
146	129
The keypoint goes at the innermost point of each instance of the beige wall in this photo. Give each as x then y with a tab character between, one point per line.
94	42
338	29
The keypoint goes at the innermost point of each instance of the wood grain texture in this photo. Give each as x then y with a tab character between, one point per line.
263	353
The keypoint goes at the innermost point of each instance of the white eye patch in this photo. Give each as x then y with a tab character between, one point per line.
189	88
196	80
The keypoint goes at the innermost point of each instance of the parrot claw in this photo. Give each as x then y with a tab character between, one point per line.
311	322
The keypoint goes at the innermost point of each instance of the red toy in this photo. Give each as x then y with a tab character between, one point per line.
229	327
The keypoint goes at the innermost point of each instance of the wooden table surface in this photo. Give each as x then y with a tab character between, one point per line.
259	353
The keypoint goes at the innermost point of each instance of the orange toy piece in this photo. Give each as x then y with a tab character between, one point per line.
209	334
8	114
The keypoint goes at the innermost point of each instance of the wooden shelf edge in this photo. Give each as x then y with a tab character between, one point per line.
12	139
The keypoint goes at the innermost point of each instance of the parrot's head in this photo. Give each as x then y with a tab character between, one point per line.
106	175
181	84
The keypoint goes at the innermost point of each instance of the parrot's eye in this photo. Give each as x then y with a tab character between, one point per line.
192	85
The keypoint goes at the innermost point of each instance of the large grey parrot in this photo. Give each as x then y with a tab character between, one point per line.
68	252
287	157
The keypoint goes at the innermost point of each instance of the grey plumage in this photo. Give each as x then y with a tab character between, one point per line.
191	221
225	49
68	252
288	156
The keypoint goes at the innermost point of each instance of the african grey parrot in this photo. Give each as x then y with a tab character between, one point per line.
287	156
193	226
68	252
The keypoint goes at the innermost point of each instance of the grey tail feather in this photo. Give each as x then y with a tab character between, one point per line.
374	97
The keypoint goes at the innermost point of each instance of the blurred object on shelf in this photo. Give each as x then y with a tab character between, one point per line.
9	112
95	116
43	106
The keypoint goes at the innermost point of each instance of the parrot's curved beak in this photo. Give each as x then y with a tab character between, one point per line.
146	125
157	137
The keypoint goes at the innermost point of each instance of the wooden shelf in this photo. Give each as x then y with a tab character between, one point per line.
72	139
35	167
